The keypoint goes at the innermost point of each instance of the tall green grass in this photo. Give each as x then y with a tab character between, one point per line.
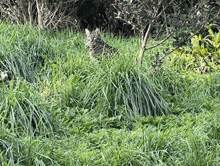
118	90
58	107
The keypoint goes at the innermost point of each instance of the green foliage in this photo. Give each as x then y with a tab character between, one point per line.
203	56
206	51
22	109
80	112
122	91
23	51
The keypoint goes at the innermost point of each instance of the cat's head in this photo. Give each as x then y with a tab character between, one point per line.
92	37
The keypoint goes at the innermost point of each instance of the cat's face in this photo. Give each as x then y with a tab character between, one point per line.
94	37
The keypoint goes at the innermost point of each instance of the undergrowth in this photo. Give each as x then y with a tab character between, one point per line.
58	107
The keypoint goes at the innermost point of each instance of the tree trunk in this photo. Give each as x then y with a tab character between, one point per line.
143	44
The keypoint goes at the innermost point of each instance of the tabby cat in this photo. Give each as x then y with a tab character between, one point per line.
96	45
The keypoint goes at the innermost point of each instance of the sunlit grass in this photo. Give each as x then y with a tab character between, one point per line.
58	107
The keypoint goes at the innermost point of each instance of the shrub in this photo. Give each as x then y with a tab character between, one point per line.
205	54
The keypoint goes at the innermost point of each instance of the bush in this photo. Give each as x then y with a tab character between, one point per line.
205	54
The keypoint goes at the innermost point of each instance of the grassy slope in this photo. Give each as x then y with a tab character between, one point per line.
52	119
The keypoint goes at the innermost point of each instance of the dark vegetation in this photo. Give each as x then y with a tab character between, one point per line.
58	107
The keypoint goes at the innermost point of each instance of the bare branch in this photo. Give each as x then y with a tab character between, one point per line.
147	15
161	42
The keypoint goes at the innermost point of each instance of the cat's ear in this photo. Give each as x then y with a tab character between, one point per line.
87	32
97	30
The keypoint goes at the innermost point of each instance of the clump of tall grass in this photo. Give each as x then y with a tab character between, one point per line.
23	51
22	110
120	89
